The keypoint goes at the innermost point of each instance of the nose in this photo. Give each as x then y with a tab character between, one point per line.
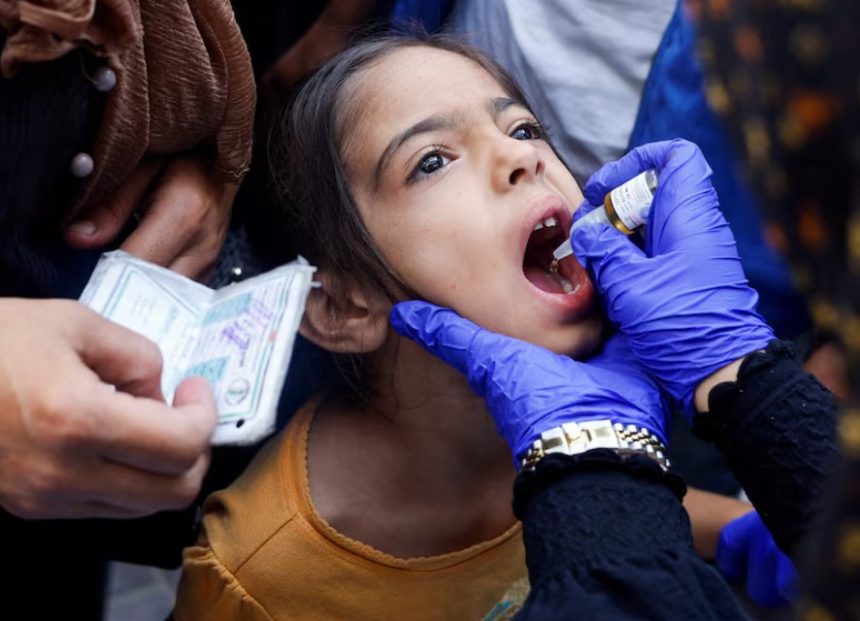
516	162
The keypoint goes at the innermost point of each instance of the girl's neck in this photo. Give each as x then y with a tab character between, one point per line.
422	456
427	403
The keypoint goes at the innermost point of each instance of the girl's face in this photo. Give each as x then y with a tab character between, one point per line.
465	198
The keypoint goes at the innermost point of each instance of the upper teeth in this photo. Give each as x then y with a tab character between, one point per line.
549	223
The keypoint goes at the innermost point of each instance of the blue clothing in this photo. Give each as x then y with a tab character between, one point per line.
674	106
430	14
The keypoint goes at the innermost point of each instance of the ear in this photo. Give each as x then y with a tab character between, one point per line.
343	317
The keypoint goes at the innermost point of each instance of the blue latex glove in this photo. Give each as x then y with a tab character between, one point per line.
684	303
746	551
529	389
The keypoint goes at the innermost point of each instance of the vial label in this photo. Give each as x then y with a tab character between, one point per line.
632	201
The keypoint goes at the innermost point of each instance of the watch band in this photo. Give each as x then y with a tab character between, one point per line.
575	438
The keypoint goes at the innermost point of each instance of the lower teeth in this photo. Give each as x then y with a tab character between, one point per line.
563	282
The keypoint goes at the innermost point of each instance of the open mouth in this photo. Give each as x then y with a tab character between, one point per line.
564	277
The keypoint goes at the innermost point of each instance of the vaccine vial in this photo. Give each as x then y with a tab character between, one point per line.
625	207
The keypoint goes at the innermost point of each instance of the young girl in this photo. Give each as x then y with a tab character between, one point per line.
413	169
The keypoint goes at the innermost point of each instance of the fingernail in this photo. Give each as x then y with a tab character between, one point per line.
82	227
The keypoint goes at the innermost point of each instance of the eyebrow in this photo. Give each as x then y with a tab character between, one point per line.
496	106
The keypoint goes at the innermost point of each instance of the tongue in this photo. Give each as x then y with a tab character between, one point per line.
542	279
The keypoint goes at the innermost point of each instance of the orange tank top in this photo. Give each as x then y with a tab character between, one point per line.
266	553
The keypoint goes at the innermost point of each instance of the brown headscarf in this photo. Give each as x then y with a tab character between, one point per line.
184	78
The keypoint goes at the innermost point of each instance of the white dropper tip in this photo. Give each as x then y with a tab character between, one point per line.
565	250
597	216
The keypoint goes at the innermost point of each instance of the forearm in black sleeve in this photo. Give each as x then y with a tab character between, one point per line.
776	426
609	539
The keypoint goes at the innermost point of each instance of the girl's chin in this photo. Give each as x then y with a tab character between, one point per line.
576	341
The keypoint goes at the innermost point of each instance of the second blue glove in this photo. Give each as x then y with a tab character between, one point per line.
746	552
529	389
684	302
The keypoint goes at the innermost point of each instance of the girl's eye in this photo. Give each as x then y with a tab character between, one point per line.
429	164
528	131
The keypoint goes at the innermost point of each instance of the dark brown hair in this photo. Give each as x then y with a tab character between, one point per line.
321	219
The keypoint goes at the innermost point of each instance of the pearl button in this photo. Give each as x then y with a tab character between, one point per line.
104	79
82	165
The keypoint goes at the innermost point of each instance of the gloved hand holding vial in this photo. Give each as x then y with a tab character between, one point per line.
683	302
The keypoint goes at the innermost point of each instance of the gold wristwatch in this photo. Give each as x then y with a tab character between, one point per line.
577	438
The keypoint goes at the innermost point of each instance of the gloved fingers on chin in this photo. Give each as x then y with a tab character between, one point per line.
476	352
439	330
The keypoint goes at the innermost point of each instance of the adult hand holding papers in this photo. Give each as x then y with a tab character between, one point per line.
239	338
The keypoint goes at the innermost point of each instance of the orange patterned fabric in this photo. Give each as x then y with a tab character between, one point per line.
785	75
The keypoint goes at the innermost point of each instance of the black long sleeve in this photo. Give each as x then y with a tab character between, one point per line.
776	426
609	539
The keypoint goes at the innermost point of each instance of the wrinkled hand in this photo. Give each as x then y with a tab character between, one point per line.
72	445
746	552
684	303
326	37
183	223
320	43
529	389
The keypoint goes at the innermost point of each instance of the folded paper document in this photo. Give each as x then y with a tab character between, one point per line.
240	338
